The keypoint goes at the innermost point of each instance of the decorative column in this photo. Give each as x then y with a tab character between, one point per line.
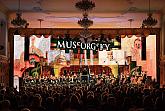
162	73
4	70
162	52
11	57
162	40
158	59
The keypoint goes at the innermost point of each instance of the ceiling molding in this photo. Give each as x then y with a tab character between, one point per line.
76	31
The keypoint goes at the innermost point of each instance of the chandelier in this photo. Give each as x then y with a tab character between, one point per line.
150	21
19	21
85	22
85	5
85	33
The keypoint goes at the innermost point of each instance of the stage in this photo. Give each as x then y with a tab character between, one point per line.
42	58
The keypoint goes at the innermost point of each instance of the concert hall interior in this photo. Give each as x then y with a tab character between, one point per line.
84	46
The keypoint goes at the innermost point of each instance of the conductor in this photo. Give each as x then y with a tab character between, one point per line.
85	75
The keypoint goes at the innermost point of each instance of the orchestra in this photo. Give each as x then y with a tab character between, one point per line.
86	76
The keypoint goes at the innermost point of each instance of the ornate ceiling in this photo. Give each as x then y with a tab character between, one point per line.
106	14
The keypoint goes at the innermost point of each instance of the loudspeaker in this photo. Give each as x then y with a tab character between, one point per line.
143	50
26	54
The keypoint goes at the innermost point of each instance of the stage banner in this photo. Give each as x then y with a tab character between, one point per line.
93	45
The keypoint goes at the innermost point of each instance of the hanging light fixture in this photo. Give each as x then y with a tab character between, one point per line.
150	21
85	5
85	33
40	26
19	21
40	21
85	22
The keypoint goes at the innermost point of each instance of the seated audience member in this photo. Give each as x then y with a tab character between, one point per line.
36	103
25	109
5	105
50	104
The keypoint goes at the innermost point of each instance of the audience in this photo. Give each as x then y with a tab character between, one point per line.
83	97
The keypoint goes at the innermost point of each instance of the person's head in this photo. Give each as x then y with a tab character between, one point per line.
2	91
146	92
5	105
74	99
147	102
159	102
36	102
111	101
126	102
25	109
107	90
50	100
105	97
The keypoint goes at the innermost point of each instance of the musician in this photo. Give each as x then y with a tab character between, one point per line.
85	74
133	79
65	73
79	73
99	81
112	78
75	77
71	73
49	80
67	78
61	79
128	79
104	79
122	78
91	76
144	78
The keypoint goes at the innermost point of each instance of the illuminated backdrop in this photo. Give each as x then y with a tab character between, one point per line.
41	50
